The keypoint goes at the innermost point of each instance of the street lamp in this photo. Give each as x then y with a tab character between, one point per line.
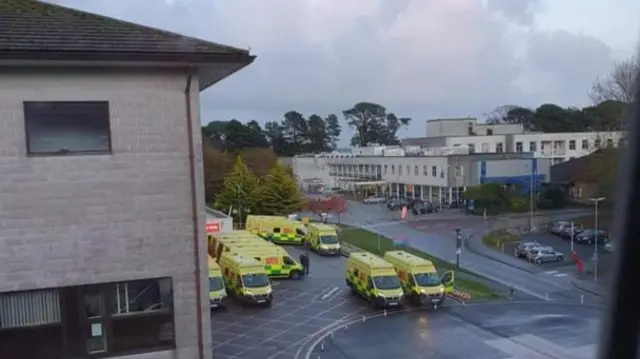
595	249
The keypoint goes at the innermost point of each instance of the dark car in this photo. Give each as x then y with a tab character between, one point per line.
397	203
588	236
565	233
422	208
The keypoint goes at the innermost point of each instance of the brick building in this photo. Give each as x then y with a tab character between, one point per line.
102	213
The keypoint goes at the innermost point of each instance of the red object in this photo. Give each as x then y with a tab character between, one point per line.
579	266
574	257
335	204
212	227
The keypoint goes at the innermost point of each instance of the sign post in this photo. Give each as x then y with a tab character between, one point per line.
572	234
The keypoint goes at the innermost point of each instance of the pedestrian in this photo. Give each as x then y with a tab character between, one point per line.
306	265
303	262
511	292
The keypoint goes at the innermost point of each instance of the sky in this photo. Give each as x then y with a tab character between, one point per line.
421	59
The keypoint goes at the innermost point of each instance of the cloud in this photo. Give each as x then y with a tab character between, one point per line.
419	58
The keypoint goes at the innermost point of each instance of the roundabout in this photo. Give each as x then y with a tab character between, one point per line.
503	330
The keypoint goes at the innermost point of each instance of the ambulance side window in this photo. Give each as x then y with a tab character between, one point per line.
276	230
369	283
300	232
356	273
287	261
239	280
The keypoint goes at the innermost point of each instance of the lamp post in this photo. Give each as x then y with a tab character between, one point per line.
595	249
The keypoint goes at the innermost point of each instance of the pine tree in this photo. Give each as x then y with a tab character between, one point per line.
279	194
239	190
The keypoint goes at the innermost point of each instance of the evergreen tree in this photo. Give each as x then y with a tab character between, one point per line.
279	193
239	190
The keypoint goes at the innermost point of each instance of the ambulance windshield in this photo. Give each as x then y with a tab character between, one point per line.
215	284
427	279
255	280
329	239
386	282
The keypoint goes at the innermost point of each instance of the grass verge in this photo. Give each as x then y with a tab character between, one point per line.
368	241
497	239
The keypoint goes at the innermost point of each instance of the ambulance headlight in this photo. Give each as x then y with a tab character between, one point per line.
441	290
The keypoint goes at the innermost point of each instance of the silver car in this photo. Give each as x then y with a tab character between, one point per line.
374	200
540	255
521	250
558	226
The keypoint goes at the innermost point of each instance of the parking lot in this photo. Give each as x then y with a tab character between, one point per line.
276	332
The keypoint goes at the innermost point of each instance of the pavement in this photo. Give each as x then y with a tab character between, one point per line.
480	331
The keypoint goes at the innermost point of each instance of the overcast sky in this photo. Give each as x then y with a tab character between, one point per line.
419	58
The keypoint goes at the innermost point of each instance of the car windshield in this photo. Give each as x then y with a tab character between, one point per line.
329	239
215	284
255	280
587	232
427	279
386	282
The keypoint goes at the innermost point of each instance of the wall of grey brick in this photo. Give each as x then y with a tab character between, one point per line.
91	219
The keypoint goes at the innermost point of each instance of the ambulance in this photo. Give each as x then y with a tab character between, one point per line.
217	292
374	279
276	260
276	229
245	279
322	238
420	280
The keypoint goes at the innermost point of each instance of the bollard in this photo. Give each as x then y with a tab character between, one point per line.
581	298
385	312
546	296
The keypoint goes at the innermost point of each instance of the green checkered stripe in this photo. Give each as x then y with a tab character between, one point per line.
275	269
361	286
285	237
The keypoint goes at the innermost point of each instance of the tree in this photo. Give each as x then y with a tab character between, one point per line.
333	130
279	194
318	135
259	160
373	124
330	205
234	135
296	129
618	85
216	164
238	192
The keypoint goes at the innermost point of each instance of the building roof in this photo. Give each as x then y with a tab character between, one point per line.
34	30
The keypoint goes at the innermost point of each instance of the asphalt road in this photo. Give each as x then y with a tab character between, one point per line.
480	331
434	234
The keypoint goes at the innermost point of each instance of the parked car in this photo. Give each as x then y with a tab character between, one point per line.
374	200
609	247
566	233
396	204
540	255
521	250
589	236
423	208
558	226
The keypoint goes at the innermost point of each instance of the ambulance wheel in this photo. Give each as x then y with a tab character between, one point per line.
294	275
268	303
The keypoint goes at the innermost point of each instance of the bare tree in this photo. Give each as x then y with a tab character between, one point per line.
498	115
617	85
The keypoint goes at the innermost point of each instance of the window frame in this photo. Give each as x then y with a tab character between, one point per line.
30	153
572	145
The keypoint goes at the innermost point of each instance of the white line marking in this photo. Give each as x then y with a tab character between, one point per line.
328	294
561	275
551	272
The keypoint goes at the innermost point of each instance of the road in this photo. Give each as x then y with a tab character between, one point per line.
434	234
480	331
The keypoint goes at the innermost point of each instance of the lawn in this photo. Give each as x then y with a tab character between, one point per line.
497	239
465	281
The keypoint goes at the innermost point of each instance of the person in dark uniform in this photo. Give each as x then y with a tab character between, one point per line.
304	261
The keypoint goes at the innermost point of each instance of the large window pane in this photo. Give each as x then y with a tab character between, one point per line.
142	332
141	296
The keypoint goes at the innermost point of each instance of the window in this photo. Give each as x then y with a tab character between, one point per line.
393	169
441	174
532	146
572	144
609	142
585	144
472	148
434	171
385	169
458	171
288	261
400	169
485	147
107	319
489	131
408	170
596	143
62	128
416	171
518	146
425	170
499	148
470	129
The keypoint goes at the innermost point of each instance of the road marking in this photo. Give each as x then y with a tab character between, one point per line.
561	275
551	272
329	293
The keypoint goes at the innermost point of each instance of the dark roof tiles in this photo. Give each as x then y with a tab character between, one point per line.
30	25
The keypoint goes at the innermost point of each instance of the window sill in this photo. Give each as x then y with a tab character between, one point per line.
163	352
70	154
